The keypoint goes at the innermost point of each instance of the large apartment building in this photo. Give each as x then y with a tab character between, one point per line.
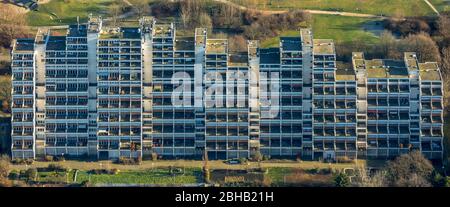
108	92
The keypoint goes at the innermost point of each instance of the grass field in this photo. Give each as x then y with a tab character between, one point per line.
58	12
377	7
155	176
339	28
441	5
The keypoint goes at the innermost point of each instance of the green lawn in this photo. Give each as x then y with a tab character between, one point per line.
342	29
441	5
54	177
59	12
339	28
277	175
378	7
154	176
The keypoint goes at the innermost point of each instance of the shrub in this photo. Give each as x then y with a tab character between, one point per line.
344	159
266	157
29	161
410	170
30	174
243	160
129	161
154	156
14	175
113	171
257	156
18	161
57	168
439	180
48	158
341	180
4	168
60	158
85	183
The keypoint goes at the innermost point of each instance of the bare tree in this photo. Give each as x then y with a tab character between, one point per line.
425	47
444	25
445	68
204	20
388	45
364	179
237	43
186	12
115	10
5	93
408	170
142	7
12	24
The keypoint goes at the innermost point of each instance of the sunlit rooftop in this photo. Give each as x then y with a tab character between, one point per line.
429	71
216	46
323	46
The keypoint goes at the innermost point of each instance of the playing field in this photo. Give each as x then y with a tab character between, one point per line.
441	5
378	7
58	12
339	28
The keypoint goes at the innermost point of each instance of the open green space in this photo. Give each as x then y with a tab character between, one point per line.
441	5
377	7
339	28
60	12
160	176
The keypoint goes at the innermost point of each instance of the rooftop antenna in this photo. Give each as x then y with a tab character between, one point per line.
78	22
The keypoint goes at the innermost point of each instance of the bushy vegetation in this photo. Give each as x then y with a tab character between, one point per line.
113	171
20	161
398	8
56	168
341	180
407	170
129	161
4	171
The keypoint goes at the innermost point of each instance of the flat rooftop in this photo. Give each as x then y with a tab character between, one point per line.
216	46
344	74
269	55
411	60
291	43
56	43
429	71
24	44
162	30
386	68
200	36
323	46
121	33
185	43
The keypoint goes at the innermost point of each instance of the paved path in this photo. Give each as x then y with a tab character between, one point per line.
82	165
432	7
268	12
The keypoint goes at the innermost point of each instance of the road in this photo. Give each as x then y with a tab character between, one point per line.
268	12
432	7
